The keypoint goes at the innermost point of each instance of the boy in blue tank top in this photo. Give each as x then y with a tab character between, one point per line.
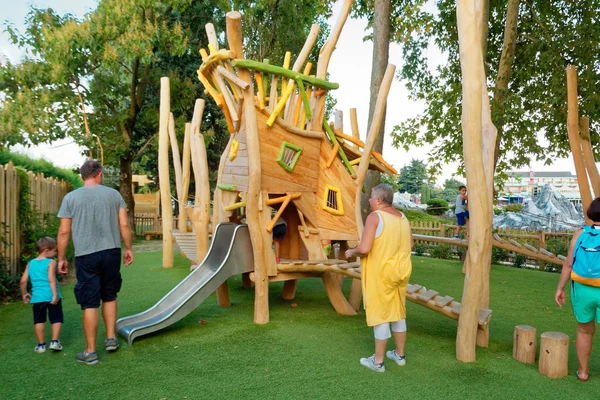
45	293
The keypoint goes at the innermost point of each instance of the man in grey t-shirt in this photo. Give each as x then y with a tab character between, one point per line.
96	216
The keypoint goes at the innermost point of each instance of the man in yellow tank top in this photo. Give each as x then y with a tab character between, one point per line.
385	251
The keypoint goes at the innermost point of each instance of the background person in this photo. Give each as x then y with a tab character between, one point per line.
97	217
385	248
461	212
583	267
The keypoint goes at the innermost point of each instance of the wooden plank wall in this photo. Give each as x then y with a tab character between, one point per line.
46	195
335	227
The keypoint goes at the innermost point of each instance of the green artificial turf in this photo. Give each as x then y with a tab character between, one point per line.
307	351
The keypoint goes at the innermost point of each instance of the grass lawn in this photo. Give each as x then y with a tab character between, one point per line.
306	351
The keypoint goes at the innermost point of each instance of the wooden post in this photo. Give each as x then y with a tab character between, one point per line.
588	156
554	354
201	211
354	124
185	180
469	22
163	173
524	344
176	155
261	243
573	131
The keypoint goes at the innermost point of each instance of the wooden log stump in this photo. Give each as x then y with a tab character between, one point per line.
524	344
554	354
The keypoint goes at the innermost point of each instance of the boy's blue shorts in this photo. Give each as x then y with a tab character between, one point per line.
461	218
54	312
586	302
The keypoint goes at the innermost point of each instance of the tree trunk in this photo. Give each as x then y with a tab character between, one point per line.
126	188
476	138
504	67
381	48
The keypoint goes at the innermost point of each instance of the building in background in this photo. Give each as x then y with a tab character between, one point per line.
522	185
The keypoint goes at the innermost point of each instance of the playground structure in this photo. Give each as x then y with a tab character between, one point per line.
283	160
283	156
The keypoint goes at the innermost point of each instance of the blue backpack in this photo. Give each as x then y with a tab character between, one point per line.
586	257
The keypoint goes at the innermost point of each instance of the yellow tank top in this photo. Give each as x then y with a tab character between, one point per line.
386	270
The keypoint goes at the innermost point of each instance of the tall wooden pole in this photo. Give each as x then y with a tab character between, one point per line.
588	156
176	155
264	259
469	14
573	131
185	180
163	173
201	213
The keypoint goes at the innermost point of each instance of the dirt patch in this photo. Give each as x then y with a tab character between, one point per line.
147	246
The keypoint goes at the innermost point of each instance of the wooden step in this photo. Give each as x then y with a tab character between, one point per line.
428	295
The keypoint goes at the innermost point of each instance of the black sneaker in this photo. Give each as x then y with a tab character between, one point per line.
88	358
111	344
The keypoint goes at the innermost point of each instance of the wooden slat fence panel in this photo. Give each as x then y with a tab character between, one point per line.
46	195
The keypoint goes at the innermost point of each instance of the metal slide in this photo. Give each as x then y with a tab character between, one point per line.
230	253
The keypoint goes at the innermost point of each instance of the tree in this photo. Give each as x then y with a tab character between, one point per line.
412	177
453	184
379	14
89	73
390	180
529	90
103	72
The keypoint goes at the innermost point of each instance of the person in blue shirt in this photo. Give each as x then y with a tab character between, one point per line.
45	293
461	212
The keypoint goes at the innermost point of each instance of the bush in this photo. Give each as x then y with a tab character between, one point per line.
421	249
497	211
520	260
9	285
498	255
41	166
514	208
442	251
437	206
558	246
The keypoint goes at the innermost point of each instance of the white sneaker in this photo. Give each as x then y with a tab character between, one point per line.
55	345
392	355
40	348
369	362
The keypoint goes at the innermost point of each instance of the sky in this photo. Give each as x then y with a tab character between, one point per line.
350	66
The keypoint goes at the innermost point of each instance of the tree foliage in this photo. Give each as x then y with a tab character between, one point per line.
109	63
551	35
412	177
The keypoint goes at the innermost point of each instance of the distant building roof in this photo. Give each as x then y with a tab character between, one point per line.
544	174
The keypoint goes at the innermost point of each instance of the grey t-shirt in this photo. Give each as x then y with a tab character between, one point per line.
460	205
94	214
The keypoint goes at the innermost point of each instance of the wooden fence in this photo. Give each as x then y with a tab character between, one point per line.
45	197
537	239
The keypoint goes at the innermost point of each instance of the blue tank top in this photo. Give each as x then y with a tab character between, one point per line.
40	285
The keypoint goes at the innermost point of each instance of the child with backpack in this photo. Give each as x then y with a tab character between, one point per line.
45	293
583	267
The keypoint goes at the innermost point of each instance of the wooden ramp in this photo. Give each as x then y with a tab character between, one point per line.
187	244
444	305
417	294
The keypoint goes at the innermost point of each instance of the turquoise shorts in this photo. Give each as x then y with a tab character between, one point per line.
586	302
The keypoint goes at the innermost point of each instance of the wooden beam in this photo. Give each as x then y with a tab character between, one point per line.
163	172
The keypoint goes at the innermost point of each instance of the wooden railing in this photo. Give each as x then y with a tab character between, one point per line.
537	239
